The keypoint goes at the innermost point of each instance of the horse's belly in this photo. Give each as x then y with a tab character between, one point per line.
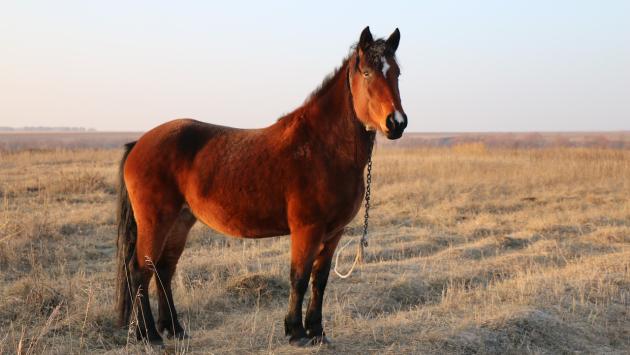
244	220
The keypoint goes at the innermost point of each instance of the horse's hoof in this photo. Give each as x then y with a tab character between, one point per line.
299	342
151	339
320	340
156	342
181	335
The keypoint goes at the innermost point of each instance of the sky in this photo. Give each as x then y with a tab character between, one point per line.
466	65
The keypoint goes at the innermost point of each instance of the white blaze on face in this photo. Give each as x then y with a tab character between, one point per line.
385	66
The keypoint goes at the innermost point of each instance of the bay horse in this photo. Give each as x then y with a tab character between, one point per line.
302	176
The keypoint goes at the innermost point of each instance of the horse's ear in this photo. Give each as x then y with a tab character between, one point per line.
366	39
393	41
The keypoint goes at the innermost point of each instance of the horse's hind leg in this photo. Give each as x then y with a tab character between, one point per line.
154	221
140	274
175	242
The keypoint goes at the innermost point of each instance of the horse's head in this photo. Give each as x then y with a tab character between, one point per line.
373	76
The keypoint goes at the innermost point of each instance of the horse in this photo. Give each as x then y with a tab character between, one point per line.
301	176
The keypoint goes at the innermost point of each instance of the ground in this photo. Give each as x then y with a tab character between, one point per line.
472	250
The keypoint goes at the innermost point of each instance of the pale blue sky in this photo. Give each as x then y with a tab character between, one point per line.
466	65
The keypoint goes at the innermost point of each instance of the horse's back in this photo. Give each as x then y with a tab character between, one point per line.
162	154
177	141
184	135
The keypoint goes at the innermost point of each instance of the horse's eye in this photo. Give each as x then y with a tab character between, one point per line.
366	73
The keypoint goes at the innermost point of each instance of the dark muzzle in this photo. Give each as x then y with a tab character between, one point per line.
396	124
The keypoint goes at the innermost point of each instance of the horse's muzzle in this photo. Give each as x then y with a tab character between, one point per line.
396	123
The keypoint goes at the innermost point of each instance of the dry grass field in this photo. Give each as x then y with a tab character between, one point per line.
472	250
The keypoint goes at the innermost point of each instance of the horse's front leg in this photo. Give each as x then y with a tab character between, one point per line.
305	245
319	277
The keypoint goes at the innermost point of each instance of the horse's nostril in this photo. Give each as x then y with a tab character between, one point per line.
390	123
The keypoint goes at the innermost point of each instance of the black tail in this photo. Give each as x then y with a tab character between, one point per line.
126	244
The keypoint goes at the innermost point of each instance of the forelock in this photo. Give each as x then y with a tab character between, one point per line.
376	51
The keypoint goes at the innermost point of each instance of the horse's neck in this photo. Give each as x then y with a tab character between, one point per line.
332	121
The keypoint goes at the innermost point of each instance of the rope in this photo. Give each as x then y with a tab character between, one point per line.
363	241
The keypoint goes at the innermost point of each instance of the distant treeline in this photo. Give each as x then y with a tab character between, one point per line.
46	129
619	140
12	141
75	138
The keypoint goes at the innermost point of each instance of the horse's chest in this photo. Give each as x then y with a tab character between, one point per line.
347	195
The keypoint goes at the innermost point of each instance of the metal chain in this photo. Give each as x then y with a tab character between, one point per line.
366	217
363	242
